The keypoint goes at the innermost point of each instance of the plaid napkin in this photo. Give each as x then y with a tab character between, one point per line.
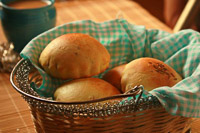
126	42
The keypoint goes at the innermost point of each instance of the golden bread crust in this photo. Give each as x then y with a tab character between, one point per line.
149	72
74	55
84	89
114	75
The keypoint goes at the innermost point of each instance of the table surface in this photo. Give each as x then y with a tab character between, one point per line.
14	112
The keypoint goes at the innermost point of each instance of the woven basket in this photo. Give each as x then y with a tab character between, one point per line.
112	114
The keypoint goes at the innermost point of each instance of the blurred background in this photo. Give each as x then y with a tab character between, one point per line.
169	12
155	7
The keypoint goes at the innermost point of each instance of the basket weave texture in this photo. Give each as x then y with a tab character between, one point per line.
119	115
149	121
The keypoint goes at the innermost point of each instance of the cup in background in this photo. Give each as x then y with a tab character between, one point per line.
22	25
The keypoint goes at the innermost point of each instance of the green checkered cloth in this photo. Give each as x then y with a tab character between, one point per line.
126	42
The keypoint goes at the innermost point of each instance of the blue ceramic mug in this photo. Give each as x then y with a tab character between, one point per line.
22	25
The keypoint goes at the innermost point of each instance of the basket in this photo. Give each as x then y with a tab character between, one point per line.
112	114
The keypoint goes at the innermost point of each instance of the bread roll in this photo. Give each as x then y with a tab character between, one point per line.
84	89
149	72
113	76
74	55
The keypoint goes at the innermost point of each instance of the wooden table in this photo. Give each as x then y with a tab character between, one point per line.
14	112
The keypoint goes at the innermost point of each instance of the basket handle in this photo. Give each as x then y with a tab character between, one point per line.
136	90
133	92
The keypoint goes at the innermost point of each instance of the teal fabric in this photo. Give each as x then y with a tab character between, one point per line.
126	42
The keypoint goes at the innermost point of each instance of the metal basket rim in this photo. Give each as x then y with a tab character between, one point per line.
70	114
61	103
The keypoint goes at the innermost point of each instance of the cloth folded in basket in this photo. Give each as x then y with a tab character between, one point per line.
126	42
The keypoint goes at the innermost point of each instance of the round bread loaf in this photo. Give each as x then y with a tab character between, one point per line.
74	55
149	72
84	89
113	76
